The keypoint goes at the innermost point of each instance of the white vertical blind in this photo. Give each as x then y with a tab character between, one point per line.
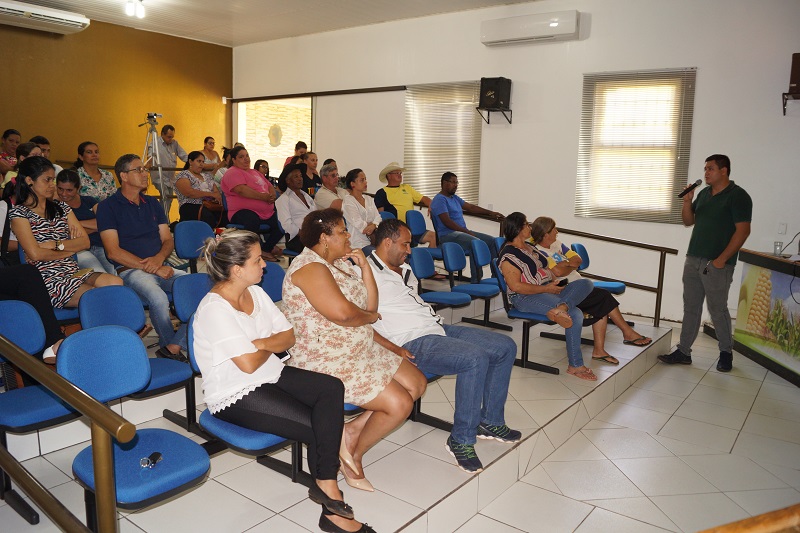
443	133
634	144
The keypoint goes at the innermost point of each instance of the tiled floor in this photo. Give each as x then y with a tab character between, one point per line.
647	448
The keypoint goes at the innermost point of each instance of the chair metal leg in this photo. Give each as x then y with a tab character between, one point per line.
561	337
293	471
188	422
91	509
417	415
11	496
485	322
524	363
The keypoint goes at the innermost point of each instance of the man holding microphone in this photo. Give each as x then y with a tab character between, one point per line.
721	217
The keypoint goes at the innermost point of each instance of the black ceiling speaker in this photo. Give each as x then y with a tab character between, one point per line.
495	94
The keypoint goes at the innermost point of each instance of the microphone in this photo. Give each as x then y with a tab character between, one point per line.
691	187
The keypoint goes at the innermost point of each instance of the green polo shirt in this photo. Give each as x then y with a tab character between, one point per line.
715	219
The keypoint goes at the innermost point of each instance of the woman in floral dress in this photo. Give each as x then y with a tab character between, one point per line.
331	305
95	181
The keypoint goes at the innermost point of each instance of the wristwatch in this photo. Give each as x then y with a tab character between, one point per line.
59	246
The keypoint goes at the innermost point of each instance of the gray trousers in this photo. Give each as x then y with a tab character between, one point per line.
711	286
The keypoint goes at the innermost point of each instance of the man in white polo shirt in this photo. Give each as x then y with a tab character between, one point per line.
482	360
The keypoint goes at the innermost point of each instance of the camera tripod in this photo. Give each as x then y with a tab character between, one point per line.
152	159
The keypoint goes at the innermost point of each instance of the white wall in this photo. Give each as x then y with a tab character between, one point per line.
742	49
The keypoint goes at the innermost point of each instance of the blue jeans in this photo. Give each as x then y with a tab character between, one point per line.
152	290
482	361
95	258
465	241
573	294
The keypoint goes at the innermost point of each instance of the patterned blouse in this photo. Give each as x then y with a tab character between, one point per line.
99	190
529	262
205	184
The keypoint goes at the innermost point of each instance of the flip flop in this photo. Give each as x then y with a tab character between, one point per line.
560	317
610	359
438	277
635	342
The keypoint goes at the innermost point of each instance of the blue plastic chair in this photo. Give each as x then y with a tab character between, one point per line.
528	320
454	261
614	287
272	282
422	265
226	435
29	408
386	215
483	257
187	292
119	305
66	315
499	242
190	236
416	223
108	363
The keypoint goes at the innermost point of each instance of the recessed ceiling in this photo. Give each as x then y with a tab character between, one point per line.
239	22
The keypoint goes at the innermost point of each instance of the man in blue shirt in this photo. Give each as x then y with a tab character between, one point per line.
136	236
447	212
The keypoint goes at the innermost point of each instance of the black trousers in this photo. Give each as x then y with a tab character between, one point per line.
302	405
294	244
193	212
251	222
24	283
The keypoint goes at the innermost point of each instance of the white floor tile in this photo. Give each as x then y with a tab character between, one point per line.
590	480
700	511
724	397
641	509
782	392
481	524
517	417
533	451
743	370
700	433
277	524
728	382
270	489
228	460
598	399
733	473
452	512
45	473
538	477
554	513
776	428
660	476
577	448
757	502
543	411
681	448
677	372
633	417
767	450
712	414
407	432
603	520
647	399
665	385
539	389
625	443
498	477
776	408
790	476
599	424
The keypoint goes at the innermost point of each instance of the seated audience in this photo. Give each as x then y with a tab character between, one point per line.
447	212
329	161
262	166
299	149
199	197
44	145
210	156
359	210
224	165
95	181
599	306
85	209
136	236
398	197
330	194
251	201
23	150
239	335
532	288
8	148
311	180
331	307
482	360
293	206
50	235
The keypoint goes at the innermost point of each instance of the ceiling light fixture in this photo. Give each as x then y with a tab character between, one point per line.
130	8
140	9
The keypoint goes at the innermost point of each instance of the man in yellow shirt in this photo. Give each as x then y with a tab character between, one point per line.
398	197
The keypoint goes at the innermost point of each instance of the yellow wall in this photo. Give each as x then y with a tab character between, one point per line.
100	83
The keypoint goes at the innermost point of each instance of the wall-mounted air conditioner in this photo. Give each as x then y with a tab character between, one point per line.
41	18
556	26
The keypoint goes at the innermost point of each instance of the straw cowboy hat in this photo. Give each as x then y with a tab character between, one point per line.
391	167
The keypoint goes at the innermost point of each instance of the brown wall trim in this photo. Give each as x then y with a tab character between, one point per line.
321	93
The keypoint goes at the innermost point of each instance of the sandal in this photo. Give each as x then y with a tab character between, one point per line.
610	359
583	373
637	342
560	317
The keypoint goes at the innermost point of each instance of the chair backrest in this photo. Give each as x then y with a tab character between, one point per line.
501	283
580	249
481	253
22	325
453	257
499	242
187	291
107	362
189	238
272	282
114	305
416	222
190	346
421	263
386	215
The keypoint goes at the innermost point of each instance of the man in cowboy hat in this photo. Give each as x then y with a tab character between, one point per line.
398	197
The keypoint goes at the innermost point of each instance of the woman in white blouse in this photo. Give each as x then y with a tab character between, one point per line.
293	206
359	210
239	337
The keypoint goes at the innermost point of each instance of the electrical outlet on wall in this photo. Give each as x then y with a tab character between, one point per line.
782	228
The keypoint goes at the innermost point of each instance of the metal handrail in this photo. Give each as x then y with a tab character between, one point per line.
105	424
662	251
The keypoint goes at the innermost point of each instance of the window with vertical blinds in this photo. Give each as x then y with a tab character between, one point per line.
636	130
443	133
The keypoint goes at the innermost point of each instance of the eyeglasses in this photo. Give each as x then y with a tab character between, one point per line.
138	170
151	460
